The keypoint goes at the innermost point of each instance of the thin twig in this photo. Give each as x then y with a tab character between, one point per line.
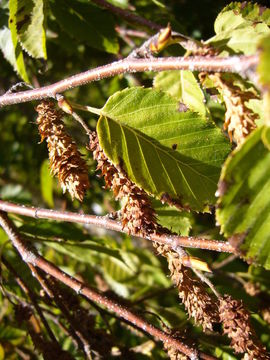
32	256
238	64
174	241
228	260
204	279
131	32
41	281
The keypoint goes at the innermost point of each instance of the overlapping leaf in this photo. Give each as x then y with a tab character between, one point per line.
15	52
244	204
184	87
239	27
166	152
172	219
87	24
30	25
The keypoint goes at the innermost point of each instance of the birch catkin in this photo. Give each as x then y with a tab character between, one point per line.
65	160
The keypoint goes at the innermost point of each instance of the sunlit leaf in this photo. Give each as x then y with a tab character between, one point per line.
163	150
243	206
239	28
46	183
30	21
184	87
18	54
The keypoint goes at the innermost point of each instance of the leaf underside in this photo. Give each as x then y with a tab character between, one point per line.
244	206
162	150
239	27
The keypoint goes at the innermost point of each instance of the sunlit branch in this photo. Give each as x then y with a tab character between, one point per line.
174	241
235	64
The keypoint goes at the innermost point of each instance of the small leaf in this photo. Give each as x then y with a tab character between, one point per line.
46	183
172	219
239	28
87	24
166	152
184	87
244	203
30	26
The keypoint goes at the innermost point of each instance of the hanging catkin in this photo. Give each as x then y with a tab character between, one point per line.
236	325
138	215
200	305
65	160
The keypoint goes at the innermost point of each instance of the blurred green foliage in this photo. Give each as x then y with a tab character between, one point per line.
126	268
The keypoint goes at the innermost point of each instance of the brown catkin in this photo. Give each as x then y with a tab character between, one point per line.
138	215
65	160
200	305
239	119
236	325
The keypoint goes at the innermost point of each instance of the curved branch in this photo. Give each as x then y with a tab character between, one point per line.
31	256
238	64
174	241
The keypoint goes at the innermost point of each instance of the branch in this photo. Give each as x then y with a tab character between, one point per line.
127	15
237	64
30	255
174	241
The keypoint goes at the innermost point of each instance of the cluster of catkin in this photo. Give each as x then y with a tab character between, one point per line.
139	218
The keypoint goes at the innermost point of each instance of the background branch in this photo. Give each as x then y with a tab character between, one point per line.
238	64
174	241
128	15
30	255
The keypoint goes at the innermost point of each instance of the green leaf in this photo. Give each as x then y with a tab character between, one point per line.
30	21
84	252
184	87
87	24
172	219
18	54
163	150
239	28
250	11
244	203
46	183
263	68
53	230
